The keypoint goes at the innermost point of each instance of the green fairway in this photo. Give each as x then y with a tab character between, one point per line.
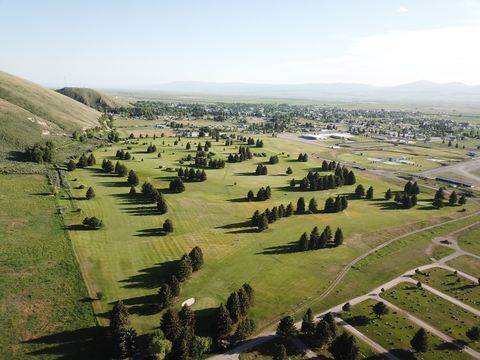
128	259
454	285
443	315
467	264
394	332
44	309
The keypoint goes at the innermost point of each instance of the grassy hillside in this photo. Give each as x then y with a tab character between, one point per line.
91	97
30	113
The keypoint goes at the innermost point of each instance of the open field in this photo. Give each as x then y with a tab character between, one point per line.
443	315
454	285
394	333
129	259
470	241
43	301
467	264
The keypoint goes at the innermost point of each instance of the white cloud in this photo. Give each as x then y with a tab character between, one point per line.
402	9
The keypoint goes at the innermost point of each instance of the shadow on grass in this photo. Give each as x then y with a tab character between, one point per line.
143	305
141	210
289	248
246	174
245	231
242	224
240	200
205	320
78	227
151	232
114	183
128	199
152	277
403	354
87	343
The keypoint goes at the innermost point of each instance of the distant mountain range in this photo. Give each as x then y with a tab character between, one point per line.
417	91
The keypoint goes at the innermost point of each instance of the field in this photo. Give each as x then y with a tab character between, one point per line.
394	332
469	241
454	285
467	264
129	258
43	301
446	317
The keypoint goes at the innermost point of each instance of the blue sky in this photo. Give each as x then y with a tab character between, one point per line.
140	44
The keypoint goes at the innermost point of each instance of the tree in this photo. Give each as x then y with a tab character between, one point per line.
437	203
250	196
380	308
463	200
360	191
184	268
419	341
370	193
330	320
473	333
159	347
176	185
338	239
196	257
350	179
161	205
244	301
170	324
167	226
174	286
280	352
452	200
91	160
132	178
303	243
388	194
82	161
164	296
250	293
187	319
200	346
301	205
308	322
92	223
71	165
313	206
440	194
262	222
289	171
286	327
233	307
132	191
90	193
223	323
123	335
344	347
347	307
322	333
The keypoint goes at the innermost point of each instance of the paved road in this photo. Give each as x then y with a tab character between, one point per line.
267	335
464	168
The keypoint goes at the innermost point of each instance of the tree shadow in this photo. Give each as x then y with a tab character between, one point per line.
205	320
128	199
87	343
240	200
289	248
141	210
78	227
358	320
18	156
143	305
389	205
242	224
151	232
403	354
152	277
114	183
246	174
455	346
245	231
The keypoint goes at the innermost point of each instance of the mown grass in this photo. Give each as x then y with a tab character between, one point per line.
443	315
469	240
394	332
440	251
128	259
44	308
467	264
454	285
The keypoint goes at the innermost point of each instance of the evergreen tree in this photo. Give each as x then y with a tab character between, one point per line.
322	333
132	178
184	268
71	166
329	205
262	222
301	205
338	239
289	210
388	194
196	258
437	203
91	160
244	301
161	205
440	194
164	296
187	319
313	206
289	171
233	307
286	327
250	294
360	191
176	185
452	200
171	325
330	320
419	341
350	179
167	226
280	352
250	196
473	333
303	243
223	323
90	193
308	322
380	308
415	189
463	200
82	161
174	286
408	188
370	193
132	191
344	347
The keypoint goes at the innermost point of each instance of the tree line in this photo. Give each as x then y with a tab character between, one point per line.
262	194
192	175
318	240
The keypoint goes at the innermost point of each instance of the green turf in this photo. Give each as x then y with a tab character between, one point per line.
44	309
394	332
443	315
454	285
469	241
467	264
440	251
127	260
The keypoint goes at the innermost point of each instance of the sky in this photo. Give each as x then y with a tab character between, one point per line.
120	44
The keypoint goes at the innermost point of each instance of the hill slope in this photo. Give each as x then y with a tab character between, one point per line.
30	113
91	97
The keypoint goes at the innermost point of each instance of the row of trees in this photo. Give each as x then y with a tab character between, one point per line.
119	168
261	220
41	153
338	205
262	194
315	181
176	185
151	148
204	162
452	200
232	322
261	170
273	160
188	264
320	241
244	153
192	175
360	192
302	157
123	155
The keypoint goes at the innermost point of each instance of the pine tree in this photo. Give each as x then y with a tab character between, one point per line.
90	193
262	223
244	301
419	341
250	196
289	210
71	166
184	268
187	319
308	322
338	239
196	258
164	296
329	205
303	243
170	324
233	307
91	160
132	191
250	294
132	178
360	191
370	193
223	323
452	200
440	194
437	203
463	200
161	205
408	188
388	194
344	347
280	352
322	333
174	286
167	226
286	327
301	205
313	206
